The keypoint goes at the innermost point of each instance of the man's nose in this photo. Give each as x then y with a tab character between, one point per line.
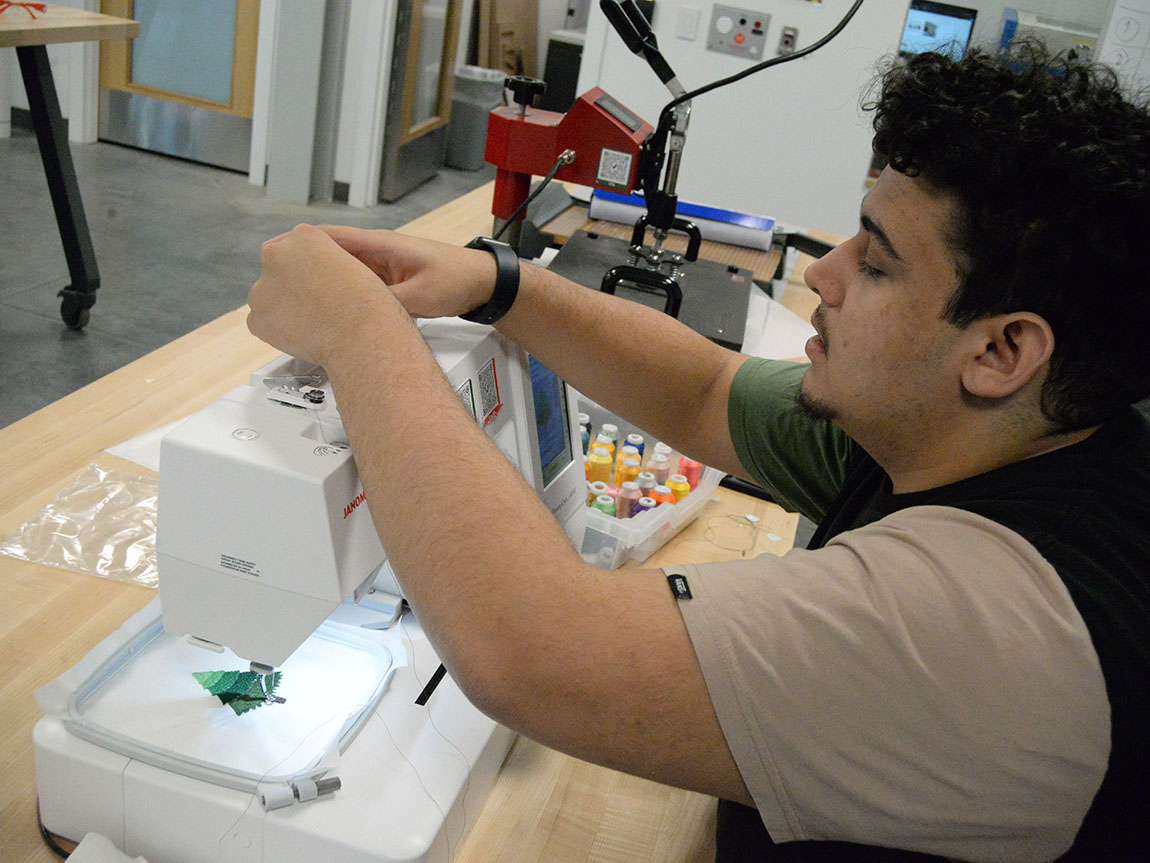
824	276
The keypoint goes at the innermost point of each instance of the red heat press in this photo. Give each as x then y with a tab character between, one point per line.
598	142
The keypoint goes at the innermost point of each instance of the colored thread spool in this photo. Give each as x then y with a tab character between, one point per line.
628	472
636	440
594	489
611	430
663	495
664	449
604	504
612	491
679	486
647	482
628	451
599	465
625	452
605	442
625	502
585	437
660	468
643	504
587	467
692	470
585	420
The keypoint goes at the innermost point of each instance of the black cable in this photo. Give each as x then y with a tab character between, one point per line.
559	163
48	838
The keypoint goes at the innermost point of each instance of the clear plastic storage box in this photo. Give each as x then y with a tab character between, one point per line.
609	541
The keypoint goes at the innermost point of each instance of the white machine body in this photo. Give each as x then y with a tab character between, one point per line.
410	783
263	526
264	534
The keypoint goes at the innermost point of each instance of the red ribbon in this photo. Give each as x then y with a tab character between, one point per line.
27	7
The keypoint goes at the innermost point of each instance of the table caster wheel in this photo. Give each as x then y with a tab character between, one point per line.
75	316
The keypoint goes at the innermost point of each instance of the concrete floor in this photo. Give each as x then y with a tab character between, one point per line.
177	245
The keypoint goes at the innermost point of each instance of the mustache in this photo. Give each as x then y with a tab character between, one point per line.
819	322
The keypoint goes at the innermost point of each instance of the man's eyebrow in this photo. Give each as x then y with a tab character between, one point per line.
875	230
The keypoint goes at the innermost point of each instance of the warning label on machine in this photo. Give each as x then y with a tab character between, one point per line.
238	564
489	402
467	397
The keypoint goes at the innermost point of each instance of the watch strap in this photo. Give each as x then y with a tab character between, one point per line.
506	282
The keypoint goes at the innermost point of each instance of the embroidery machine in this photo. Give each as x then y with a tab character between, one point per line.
267	554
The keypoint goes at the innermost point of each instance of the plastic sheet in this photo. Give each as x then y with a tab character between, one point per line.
104	524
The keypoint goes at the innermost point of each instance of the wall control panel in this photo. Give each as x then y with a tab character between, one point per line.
739	32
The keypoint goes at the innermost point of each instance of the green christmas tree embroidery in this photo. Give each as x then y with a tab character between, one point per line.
241	690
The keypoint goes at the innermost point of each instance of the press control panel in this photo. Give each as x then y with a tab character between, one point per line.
736	31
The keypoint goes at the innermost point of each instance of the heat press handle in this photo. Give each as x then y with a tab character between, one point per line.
640	21
623	25
635	31
651	281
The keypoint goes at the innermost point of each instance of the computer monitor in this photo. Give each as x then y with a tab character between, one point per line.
937	27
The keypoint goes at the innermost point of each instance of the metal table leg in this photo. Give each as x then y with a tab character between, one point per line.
52	137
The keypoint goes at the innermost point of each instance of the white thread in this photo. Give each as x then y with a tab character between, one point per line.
462	757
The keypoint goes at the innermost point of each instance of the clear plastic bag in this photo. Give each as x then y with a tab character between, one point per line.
104	524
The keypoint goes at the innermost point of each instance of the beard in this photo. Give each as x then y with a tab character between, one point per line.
813	408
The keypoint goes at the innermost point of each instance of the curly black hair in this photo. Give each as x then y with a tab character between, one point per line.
1050	164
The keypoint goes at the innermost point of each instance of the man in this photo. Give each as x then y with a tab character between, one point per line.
958	666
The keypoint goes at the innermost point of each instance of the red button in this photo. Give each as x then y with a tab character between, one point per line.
740	38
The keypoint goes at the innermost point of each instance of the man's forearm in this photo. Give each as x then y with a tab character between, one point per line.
444	542
634	360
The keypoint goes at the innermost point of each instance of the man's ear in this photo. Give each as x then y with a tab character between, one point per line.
1007	351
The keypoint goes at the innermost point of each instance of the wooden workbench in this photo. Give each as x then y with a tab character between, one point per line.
61	24
544	806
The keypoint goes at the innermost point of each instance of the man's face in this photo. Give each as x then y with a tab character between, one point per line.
884	361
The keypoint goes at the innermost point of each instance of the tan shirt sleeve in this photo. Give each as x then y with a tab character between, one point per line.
924	682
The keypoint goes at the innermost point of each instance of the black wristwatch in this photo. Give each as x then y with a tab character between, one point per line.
506	282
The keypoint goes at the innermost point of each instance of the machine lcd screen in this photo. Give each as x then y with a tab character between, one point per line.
619	112
937	27
552	424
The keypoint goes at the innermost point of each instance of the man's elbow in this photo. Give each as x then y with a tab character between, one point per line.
497	682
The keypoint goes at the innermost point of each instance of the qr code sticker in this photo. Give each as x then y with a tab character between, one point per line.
489	403
467	397
614	168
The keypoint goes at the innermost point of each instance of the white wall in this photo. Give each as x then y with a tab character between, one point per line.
789	142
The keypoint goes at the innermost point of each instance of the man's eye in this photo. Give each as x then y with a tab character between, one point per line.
869	271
